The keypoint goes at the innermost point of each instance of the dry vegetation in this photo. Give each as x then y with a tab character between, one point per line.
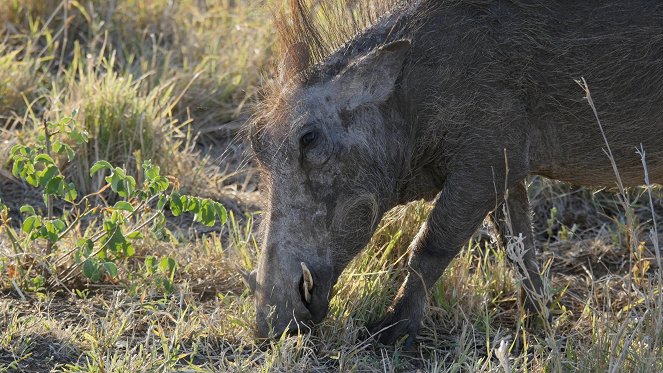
170	81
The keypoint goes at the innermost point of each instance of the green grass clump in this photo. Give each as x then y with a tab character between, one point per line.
17	82
17	11
126	122
216	49
226	48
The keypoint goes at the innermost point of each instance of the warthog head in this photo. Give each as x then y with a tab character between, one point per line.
329	156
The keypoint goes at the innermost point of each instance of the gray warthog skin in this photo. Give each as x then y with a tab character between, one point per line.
456	101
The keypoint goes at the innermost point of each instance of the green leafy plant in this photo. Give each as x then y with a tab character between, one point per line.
114	229
162	271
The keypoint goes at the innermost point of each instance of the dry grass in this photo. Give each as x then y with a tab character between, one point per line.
606	314
160	76
158	79
16	83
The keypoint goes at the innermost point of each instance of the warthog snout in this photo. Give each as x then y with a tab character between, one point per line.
304	295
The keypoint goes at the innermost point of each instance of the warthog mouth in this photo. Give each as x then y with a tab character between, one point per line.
296	308
314	291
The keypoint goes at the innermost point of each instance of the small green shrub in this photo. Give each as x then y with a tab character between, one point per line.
126	123
100	252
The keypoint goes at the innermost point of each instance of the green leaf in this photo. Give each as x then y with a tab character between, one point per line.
47	174
167	285
17	168
117	217
206	214
38	282
176	206
28	169
110	268
130	187
109	226
70	152
100	165
86	245
91	270
44	158
19	149
167	265
191	204
116	179
135	236
28	210
220	212
162	202
158	226
159	184
57	147
151	171
66	121
150	264
70	192
32	179
120	183
124	206
40	232
31	223
55	185
129	250
77	136
51	233
59	225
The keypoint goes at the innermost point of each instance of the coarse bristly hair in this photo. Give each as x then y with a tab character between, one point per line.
309	31
308	34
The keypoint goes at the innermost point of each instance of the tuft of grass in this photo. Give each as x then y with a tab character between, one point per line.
127	123
183	71
222	48
17	82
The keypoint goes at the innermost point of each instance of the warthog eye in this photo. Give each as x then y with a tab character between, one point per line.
308	139
314	147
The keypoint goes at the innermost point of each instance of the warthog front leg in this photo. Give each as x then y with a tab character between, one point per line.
459	210
518	222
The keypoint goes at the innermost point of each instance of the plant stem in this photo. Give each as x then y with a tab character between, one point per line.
49	201
4	216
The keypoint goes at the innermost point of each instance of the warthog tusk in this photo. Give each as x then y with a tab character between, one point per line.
308	282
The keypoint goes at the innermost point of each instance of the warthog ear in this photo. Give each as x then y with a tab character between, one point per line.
371	78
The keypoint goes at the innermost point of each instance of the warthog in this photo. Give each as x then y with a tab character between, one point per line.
456	101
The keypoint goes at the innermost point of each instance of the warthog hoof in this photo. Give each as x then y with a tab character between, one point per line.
400	319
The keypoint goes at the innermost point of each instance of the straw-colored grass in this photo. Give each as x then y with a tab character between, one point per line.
17	83
605	318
